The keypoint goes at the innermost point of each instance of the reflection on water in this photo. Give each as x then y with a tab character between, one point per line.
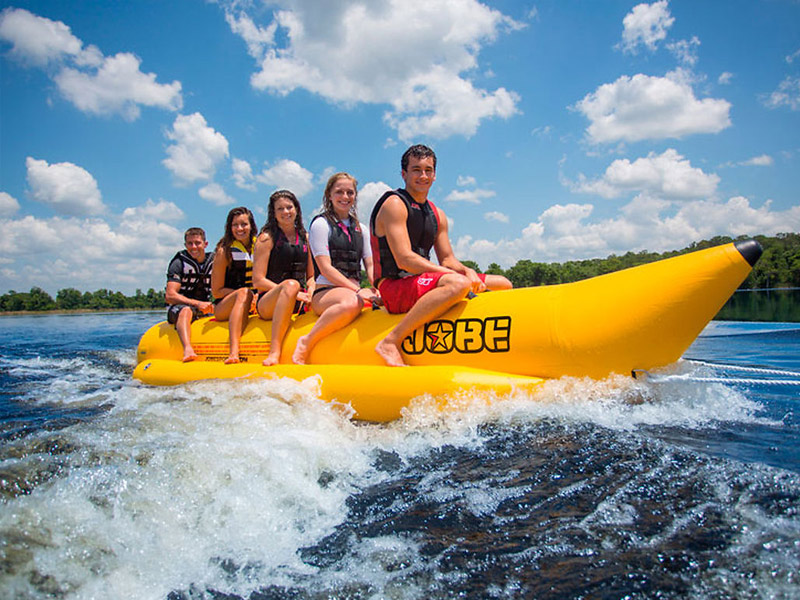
779	305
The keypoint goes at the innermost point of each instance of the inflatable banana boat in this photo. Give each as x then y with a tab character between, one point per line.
639	318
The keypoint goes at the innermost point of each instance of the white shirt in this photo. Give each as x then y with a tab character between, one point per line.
318	235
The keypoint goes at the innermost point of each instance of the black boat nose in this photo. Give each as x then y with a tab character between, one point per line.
750	249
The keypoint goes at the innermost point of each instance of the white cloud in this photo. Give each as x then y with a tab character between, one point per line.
763	160
118	86
92	82
8	204
36	40
565	232
287	174
496	216
243	174
474	196
100	255
346	52
644	107
787	94
685	50
368	196
66	188
668	175
155	211
215	193
196	151
725	78
646	24
793	56
464	180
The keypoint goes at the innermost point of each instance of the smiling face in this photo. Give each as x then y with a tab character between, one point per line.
419	176
285	213
196	247
342	196
240	228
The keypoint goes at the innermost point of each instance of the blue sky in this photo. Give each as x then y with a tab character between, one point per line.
564	129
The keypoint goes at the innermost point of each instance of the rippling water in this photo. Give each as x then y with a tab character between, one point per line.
661	487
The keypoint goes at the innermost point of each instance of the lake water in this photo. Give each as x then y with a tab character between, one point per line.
674	485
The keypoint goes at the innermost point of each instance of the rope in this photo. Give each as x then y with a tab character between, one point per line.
747	369
730	380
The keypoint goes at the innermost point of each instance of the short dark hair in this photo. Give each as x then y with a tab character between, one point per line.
417	151
194	231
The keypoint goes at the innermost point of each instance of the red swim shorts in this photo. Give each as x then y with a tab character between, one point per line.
399	295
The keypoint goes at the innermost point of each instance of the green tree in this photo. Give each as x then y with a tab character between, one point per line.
69	299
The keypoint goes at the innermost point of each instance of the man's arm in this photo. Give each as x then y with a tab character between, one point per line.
444	252
173	295
391	222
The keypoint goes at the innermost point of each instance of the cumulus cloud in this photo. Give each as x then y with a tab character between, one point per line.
155	211
126	256
346	52
763	160
368	195
93	82
496	216
216	194
196	151
474	196
668	175
8	204
725	78
288	174
117	86
243	174
646	25
787	94
566	232
66	188
644	107
685	50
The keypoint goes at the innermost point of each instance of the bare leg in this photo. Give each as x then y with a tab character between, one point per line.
497	282
451	289
234	308
280	312
337	308
183	327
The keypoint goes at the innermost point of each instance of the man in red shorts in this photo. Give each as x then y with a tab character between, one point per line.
405	225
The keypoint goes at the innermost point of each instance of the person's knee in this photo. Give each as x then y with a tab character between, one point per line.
185	316
243	296
456	284
290	287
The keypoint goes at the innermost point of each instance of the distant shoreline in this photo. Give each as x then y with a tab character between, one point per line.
74	311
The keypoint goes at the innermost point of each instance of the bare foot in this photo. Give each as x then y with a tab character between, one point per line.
390	354
231	360
271	360
300	352
189	356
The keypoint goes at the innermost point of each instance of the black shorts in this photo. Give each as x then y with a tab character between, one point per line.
175	309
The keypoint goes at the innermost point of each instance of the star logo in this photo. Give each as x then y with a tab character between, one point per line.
439	334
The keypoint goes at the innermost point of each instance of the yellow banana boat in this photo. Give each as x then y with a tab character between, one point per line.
639	318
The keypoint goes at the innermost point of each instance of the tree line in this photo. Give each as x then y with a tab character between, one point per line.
778	267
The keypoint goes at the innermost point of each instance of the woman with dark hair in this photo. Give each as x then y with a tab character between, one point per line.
339	244
232	275
281	267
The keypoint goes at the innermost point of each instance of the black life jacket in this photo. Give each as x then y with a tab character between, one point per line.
422	225
345	245
195	277
239	273
288	260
